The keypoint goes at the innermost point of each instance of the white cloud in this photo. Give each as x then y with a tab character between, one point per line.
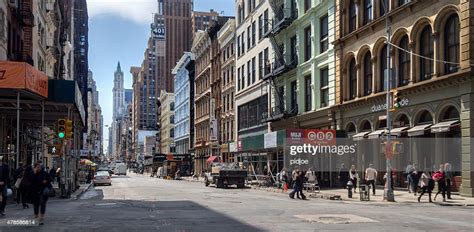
140	11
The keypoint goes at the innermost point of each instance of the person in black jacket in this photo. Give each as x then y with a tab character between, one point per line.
40	181
4	183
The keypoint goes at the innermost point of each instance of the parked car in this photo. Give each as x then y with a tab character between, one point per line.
120	169
102	177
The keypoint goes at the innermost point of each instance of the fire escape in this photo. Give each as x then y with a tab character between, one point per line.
285	13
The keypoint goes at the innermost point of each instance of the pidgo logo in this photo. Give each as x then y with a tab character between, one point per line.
299	161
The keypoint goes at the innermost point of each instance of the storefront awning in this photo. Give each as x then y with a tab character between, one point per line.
444	126
360	135
22	76
418	130
211	159
376	134
398	131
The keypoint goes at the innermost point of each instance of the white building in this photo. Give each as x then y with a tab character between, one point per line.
253	53
182	103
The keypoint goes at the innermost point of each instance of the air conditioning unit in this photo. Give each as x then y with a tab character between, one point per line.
13	3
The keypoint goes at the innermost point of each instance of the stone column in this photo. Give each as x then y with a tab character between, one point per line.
467	150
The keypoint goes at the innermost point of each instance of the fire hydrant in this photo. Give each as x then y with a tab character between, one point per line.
349	189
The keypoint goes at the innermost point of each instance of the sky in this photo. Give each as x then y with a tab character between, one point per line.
118	31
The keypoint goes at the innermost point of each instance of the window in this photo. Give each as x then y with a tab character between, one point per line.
243	43
451	44
265	19
426	50
249	73
367	74
253	33
260	27
367	11
383	68
249	42
294	96
307	97
253	70
383	7
238	46
352	16
352	80
261	63
323	25
307	5
267	61
403	2
281	98
250	114
243	76
404	61
307	43
324	87
293	52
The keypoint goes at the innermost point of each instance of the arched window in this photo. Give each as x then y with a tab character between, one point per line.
425	117
367	74
352	16
383	68
426	52
403	62
352	80
450	113
451	44
366	126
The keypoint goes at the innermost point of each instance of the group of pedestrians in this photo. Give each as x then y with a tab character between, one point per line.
351	177
32	184
443	176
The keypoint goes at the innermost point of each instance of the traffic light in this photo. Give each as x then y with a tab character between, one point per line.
397	100
61	128
69	129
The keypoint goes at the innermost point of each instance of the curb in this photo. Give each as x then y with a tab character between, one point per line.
80	191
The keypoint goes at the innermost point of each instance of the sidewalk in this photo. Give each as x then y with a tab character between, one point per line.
401	197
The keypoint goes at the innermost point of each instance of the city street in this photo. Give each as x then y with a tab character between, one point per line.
141	203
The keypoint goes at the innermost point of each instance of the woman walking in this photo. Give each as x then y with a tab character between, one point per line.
354	176
426	184
439	176
40	188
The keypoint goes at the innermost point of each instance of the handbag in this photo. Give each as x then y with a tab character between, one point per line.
18	182
48	192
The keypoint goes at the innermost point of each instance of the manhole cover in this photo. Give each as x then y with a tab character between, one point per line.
335	218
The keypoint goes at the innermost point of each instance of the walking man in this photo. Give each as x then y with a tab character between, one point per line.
370	177
4	182
343	175
448	173
440	177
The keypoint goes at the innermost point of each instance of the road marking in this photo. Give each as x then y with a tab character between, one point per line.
335	218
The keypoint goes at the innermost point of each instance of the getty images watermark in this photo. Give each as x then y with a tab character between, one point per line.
313	150
20	222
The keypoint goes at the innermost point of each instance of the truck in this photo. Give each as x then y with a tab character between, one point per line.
120	169
224	174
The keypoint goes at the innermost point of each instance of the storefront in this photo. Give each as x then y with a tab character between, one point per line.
426	129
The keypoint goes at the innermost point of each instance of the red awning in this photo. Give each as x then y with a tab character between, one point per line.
19	75
211	159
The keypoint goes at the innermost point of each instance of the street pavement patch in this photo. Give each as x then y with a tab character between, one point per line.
335	218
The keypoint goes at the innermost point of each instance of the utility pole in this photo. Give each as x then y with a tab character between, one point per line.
388	191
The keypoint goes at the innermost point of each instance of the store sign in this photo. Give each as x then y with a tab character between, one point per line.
159	32
270	140
213	129
233	147
310	136
382	107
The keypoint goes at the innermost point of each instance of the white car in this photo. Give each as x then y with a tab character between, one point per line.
102	177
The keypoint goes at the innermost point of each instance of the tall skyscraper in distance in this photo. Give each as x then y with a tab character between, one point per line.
201	20
172	29
118	92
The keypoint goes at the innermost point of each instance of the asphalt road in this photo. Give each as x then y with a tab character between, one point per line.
141	203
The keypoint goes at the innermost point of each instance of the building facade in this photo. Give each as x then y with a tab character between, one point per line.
226	39
182	104
432	61
252	96
167	119
202	20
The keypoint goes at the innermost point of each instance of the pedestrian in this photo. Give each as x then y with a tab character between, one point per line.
385	176
426	184
17	177
439	176
25	185
39	191
4	184
52	174
408	171
370	177
343	175
449	179
354	176
298	186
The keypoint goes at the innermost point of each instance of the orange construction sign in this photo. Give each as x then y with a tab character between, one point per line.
20	75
